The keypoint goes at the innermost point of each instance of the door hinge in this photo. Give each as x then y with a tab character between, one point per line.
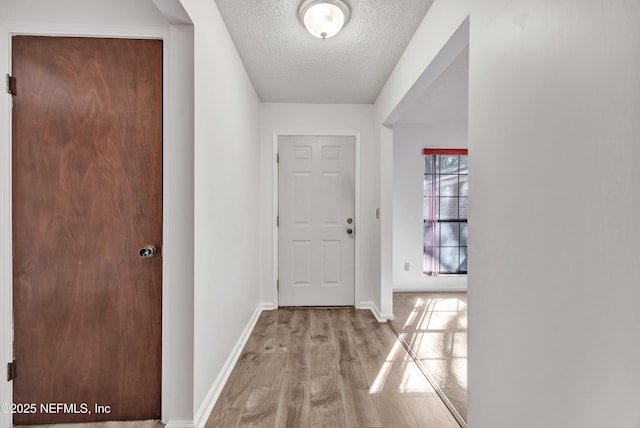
277	220
11	85
277	157
278	285
11	370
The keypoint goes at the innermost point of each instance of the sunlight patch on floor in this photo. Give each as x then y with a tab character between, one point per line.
378	383
413	381
408	378
413	313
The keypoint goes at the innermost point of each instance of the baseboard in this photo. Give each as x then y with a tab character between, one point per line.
180	424
214	393
376	312
435	284
267	306
429	289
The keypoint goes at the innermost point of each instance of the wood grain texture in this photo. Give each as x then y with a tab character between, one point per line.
87	194
337	368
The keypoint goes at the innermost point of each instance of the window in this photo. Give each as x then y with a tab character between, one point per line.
446	184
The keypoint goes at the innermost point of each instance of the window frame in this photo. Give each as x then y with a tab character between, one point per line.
432	251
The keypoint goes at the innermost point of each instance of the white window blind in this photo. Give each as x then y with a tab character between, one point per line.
446	188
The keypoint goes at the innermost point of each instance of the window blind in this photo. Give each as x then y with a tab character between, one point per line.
445	211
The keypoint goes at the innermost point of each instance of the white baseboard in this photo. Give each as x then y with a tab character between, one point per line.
180	424
423	289
268	306
434	284
214	393
375	311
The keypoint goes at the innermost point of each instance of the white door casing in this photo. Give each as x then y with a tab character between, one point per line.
316	251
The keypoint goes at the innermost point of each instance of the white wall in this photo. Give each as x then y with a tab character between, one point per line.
554	284
88	12
227	152
177	353
421	64
553	145
321	118
408	142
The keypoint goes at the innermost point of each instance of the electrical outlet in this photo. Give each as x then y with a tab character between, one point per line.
407	265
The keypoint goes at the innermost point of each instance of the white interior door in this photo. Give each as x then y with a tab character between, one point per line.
316	192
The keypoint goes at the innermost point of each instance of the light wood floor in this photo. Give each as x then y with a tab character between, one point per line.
435	327
326	368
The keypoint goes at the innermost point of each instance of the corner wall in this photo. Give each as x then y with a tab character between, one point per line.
554	285
421	63
177	350
227	151
554	101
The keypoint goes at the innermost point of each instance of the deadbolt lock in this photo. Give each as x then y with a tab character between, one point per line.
349	220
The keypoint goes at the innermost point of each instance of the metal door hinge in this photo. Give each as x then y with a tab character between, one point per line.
11	85
278	220
278	284
11	370
277	157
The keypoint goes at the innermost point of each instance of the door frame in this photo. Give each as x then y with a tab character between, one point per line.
174	139
276	180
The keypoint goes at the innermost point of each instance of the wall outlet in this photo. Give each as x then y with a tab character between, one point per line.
407	265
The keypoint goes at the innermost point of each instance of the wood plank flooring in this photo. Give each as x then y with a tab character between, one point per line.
435	327
326	368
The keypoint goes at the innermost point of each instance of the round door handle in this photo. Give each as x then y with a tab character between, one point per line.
349	231
148	251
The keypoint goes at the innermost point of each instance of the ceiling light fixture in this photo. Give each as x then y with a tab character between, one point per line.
324	18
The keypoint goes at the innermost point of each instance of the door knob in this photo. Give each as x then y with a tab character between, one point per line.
349	231
148	251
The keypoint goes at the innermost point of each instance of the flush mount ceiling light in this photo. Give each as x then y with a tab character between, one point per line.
324	18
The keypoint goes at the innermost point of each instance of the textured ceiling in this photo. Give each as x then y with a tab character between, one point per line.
287	64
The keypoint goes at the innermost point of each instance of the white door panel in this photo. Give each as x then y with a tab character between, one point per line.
316	198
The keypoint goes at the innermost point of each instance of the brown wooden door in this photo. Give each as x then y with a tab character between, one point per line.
87	195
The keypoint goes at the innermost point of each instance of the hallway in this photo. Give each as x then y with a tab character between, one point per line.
326	368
